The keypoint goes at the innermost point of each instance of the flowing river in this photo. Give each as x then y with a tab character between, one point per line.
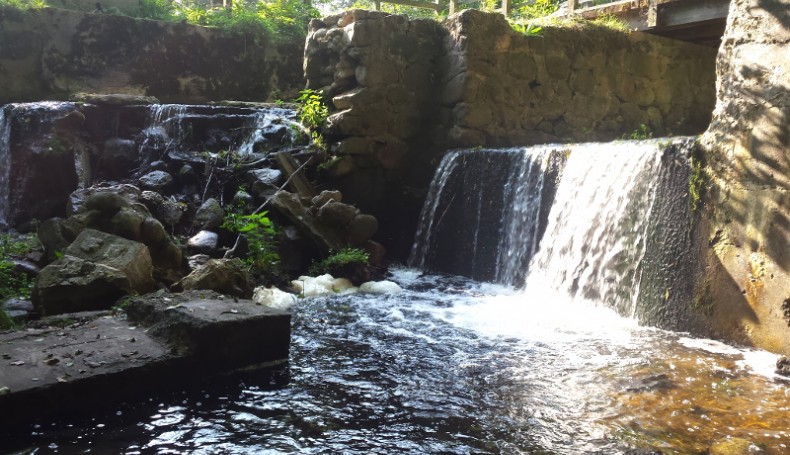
455	366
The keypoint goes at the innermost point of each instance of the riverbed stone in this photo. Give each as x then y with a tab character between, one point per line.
209	215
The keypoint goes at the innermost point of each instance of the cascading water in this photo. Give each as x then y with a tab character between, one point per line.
5	166
596	234
165	129
482	215
266	122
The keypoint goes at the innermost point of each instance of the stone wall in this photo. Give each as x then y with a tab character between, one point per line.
402	91
745	287
492	86
52	53
503	88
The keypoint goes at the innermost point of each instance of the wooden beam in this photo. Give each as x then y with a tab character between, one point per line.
377	5
299	182
506	7
678	13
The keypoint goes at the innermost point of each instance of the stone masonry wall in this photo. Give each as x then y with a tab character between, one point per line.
492	86
52	53
402	91
745	286
503	88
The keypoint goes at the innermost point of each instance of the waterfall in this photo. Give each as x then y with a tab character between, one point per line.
481	218
584	220
5	165
164	130
596	234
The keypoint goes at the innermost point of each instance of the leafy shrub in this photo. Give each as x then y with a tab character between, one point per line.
261	237
312	110
540	8
343	259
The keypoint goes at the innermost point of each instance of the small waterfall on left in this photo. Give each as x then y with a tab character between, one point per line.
482	215
5	165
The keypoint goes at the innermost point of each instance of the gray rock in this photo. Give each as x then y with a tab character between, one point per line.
106	199
203	242
130	257
118	157
167	211
156	180
127	222
209	215
336	214
326	196
50	234
227	276
783	366
362	228
197	260
187	174
72	284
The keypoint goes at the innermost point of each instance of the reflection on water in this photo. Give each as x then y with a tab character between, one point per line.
452	366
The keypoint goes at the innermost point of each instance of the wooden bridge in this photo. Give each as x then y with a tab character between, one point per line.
698	21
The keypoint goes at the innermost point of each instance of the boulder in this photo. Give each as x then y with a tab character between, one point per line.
130	257
209	215
227	276
156	181
362	228
72	284
204	242
167	211
50	234
336	214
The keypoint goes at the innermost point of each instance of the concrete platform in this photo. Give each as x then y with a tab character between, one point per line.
89	360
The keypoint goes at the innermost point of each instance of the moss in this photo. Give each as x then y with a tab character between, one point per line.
696	181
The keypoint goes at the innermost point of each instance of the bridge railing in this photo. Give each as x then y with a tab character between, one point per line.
585	7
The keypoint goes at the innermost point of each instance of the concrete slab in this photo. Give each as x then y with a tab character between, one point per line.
96	360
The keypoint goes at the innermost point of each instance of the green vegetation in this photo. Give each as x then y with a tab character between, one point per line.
313	113
696	183
261	237
23	4
342	259
641	133
12	283
276	19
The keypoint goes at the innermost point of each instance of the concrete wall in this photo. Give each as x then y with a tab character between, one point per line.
745	286
52	53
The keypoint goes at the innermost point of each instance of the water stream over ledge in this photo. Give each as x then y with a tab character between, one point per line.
454	366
